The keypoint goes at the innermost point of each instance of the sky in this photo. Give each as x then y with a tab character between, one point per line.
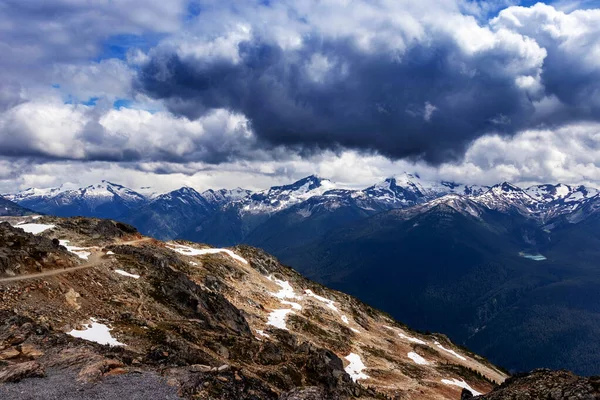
222	93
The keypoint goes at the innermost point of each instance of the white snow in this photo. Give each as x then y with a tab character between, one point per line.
35	228
417	358
562	190
286	292
190	251
576	196
462	384
125	273
193	263
96	332
403	336
345	319
450	351
330	303
262	333
356	367
411	339
295	306
78	251
277	318
36	217
354	330
109	253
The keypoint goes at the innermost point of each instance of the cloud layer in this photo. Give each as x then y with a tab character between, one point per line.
453	88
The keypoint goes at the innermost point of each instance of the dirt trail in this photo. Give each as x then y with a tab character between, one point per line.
93	260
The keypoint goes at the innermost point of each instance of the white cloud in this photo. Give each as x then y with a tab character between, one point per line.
549	53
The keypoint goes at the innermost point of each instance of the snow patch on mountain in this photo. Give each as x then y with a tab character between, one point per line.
277	318
34	228
417	358
411	339
127	274
461	384
286	292
330	303
356	367
190	251
96	332
80	252
455	354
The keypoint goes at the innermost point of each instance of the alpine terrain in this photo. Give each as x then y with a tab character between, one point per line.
92	309
507	271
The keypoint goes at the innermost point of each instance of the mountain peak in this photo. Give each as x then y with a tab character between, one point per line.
312	180
509	187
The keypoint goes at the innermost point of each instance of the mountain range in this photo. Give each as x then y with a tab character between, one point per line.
508	271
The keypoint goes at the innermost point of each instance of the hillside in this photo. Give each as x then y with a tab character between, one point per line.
10	209
500	283
187	320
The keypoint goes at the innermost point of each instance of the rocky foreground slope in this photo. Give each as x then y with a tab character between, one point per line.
91	309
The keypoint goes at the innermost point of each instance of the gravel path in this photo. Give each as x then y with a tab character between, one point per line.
61	385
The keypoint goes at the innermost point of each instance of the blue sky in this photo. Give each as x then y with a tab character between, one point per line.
220	93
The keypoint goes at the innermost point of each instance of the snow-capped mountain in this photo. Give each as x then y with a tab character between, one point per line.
226	216
225	196
278	198
103	200
409	189
169	214
541	202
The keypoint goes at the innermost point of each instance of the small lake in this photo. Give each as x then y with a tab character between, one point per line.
535	257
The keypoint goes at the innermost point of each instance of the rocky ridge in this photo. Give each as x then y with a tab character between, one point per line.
206	323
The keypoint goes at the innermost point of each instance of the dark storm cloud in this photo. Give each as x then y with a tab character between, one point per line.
423	105
285	80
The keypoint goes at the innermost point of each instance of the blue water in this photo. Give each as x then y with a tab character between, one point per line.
535	257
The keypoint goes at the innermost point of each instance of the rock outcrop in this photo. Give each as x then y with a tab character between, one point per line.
545	384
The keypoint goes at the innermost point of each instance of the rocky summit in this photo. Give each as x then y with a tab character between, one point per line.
90	308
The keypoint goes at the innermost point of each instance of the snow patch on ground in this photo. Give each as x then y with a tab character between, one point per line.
190	251
35	228
286	292
450	351
96	332
411	339
417	358
345	319
295	306
405	337
110	253
78	251
356	367
262	333
125	273
330	303
193	263
462	384
277	318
